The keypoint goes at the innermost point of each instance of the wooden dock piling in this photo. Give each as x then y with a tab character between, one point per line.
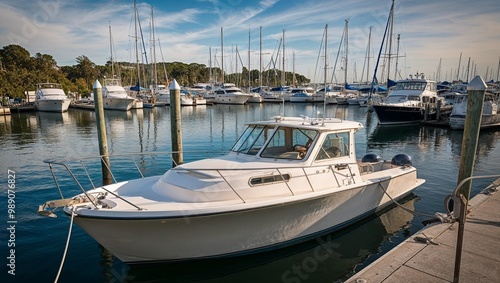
475	98
175	123
101	134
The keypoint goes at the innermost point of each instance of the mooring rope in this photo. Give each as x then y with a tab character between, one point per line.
66	248
414	212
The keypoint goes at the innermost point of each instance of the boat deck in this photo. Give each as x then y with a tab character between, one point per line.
419	261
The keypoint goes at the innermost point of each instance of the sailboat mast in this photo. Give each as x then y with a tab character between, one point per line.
154	50
324	75
137	45
222	50
346	42
390	44
260	58
283	62
368	55
397	59
249	85
111	52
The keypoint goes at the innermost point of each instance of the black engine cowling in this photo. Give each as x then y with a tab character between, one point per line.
371	157
401	159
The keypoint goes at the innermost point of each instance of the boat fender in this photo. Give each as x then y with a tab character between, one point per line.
401	159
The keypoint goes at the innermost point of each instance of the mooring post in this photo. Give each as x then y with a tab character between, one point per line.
101	134
175	123
475	98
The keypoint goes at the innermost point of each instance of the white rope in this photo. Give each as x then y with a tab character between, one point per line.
66	248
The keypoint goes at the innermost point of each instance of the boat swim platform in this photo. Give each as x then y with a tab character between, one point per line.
429	255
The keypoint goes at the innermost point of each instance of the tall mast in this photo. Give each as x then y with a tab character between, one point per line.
346	42
249	85
222	50
459	62
111	52
390	43
397	59
283	62
137	45
368	55
324	75
260	58
154	50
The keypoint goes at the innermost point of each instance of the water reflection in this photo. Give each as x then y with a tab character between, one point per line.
335	255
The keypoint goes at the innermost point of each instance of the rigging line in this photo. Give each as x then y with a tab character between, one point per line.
66	248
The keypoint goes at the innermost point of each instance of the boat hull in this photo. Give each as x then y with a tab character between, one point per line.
243	231
52	105
123	104
390	114
457	122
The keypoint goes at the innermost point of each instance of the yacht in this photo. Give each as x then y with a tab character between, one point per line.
115	97
51	97
228	93
409	101
305	94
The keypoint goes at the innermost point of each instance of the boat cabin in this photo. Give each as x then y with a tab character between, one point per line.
298	139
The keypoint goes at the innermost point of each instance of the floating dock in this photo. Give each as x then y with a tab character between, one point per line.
429	255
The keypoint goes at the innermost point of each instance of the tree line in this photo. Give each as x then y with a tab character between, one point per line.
20	72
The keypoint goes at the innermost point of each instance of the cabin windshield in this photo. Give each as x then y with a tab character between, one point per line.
252	140
335	145
289	143
411	86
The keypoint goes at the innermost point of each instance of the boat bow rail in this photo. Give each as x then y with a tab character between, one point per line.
83	176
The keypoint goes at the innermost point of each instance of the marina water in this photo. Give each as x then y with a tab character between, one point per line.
33	245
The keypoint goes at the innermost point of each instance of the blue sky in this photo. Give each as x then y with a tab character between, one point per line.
430	31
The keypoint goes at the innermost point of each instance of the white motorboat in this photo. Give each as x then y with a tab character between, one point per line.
305	94
490	117
228	93
51	97
285	180
114	96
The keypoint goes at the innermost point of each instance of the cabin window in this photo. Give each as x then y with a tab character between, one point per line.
411	86
335	145
289	143
264	180
252	140
415	98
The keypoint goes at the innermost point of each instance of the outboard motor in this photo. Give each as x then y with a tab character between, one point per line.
401	159
371	157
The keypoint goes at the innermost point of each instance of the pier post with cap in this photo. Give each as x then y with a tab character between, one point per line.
101	133
475	98
175	123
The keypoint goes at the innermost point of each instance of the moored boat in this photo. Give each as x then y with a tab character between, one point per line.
115	97
409	101
50	97
285	180
490	117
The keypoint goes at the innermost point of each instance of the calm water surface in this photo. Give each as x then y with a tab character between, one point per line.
26	139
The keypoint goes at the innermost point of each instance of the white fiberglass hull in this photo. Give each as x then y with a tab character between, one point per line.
232	99
53	105
457	122
123	104
241	228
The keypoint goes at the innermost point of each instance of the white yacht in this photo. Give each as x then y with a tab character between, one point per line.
490	117
51	97
115	97
228	93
